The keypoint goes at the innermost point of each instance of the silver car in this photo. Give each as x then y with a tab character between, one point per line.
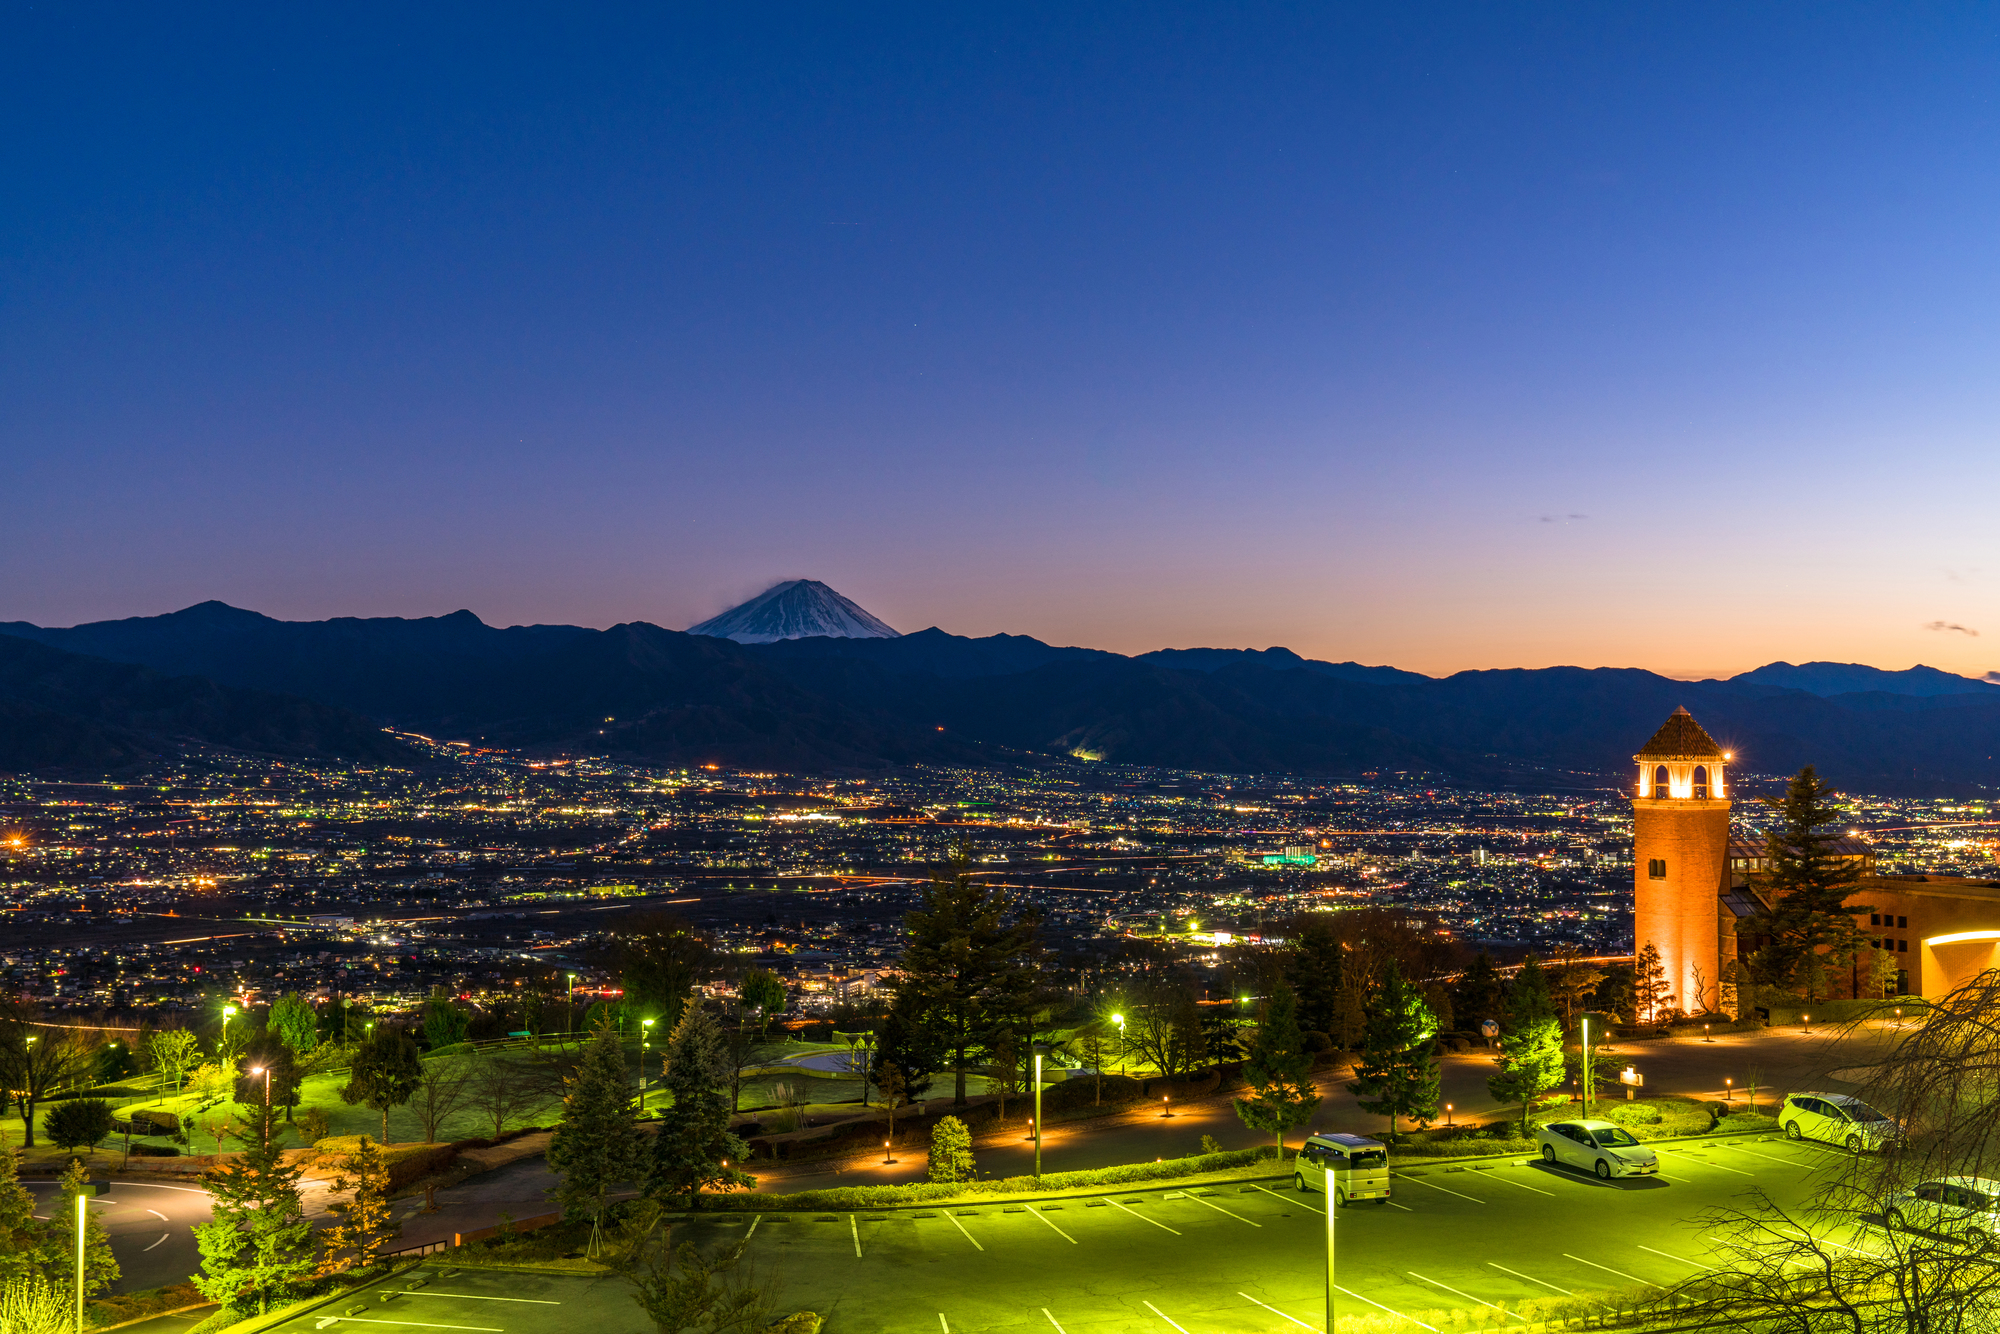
1597	1146
1967	1208
1837	1118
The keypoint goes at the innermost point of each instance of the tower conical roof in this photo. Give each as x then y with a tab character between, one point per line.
1680	738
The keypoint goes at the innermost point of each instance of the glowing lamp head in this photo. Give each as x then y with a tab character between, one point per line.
256	1069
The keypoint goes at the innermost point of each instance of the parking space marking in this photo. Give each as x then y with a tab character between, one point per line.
1468	1296
1136	1214
1055	1322
473	1297
967	1235
1390	1309
1161	1314
1446	1189
1630	1278
1275	1311
1286	1198
1767	1157
1058	1231
1682	1259
1393	1205
1873	1255
753	1228
1219	1209
1522	1184
407	1324
1717	1166
1531	1278
855	1228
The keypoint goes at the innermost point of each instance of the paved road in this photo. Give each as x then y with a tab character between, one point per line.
150	1226
1250	1258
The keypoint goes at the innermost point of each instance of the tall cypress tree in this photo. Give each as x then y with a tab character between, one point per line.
257	1243
596	1148
1808	926
969	963
909	1041
1314	971
100	1268
1531	1047
1279	1072
1397	1074
695	1149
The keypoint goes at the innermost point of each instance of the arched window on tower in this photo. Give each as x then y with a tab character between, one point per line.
1701	782
1662	784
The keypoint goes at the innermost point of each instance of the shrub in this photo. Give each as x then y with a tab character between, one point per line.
951	1151
79	1123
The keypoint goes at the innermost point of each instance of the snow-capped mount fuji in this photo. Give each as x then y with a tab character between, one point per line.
795	609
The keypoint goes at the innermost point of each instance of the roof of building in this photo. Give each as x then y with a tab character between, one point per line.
1680	738
1742	849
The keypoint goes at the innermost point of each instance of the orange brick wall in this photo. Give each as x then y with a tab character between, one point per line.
1679	914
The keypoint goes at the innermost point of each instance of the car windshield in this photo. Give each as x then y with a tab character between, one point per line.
1614	1138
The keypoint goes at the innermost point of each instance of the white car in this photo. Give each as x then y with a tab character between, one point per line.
1967	1208
1596	1146
1836	1118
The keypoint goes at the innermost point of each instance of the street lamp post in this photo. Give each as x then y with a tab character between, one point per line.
645	1034
569	1009
1038	1116
1329	1253
79	1261
1586	1065
265	1071
1119	1020
228	1013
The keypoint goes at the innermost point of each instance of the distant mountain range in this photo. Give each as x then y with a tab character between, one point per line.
869	699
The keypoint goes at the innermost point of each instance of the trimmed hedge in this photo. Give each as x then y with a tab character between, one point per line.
881	1197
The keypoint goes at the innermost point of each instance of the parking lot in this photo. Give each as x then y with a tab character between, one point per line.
1243	1257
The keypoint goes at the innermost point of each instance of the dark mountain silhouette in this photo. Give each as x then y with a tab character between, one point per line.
644	694
1844	678
66	711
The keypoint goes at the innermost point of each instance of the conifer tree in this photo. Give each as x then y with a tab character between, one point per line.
596	1148
1279	1072
969	963
1315	970
20	1232
383	1073
1650	991
366	1220
908	1041
1397	1074
951	1151
1481	995
58	1241
1531	1047
695	1149
1808	927
257	1245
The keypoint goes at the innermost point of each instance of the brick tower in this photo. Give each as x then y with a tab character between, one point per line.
1680	856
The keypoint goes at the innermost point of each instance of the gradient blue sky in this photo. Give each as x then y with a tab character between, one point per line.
1447	336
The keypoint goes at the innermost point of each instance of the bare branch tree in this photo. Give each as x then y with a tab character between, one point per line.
444	1085
504	1090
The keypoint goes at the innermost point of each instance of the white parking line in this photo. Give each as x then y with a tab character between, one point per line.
1058	1231
1219	1209
1531	1278
407	1324
855	1228
1161	1314
1136	1214
1393	1205
1682	1259
469	1297
1275	1311
1434	1186
1522	1184
946	1324
1390	1309
1053	1321
1717	1166
968	1236
1468	1296
753	1227
1633	1278
1288	1200
1767	1157
1873	1255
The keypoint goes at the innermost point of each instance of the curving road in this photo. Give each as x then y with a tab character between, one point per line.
151	1226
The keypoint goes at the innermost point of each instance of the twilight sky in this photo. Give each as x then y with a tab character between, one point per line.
1444	336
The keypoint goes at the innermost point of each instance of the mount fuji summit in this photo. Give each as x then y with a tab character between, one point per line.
795	609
